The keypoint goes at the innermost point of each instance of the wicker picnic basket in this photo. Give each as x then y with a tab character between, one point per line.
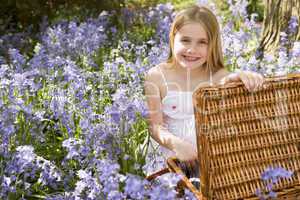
240	134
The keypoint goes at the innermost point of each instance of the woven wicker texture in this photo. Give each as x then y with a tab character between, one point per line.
240	134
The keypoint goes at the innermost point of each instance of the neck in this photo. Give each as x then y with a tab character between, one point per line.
193	75
190	73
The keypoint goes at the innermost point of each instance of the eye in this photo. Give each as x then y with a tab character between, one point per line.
185	40
202	42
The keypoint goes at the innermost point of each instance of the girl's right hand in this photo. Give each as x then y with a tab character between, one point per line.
184	151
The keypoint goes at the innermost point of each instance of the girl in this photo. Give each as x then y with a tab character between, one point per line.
195	60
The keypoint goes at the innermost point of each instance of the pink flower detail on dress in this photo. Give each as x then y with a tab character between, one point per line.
173	107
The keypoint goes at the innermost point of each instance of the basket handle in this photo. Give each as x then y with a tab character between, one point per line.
184	182
158	173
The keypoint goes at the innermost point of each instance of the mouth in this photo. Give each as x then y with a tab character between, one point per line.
191	58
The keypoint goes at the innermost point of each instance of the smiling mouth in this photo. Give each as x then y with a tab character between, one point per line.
191	58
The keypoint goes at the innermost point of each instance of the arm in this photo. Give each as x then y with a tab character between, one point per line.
158	131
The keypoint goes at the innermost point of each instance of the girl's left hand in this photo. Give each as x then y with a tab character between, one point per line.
253	81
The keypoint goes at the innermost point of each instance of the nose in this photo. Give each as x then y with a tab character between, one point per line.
191	49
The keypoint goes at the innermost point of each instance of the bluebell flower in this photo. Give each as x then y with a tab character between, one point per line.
202	2
162	193
17	60
292	25
162	16
158	54
296	50
188	195
129	16
76	40
271	176
74	148
170	179
3	70
49	174
284	38
25	155
238	8
5	183
272	195
135	187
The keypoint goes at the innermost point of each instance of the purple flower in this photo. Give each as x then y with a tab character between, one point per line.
202	2
76	149
49	174
2	61
296	50
17	59
25	156
161	16
189	195
76	40
293	24
135	187
271	176
238	8
3	70
162	193
270	173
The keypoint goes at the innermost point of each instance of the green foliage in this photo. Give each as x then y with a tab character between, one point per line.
254	6
31	12
178	4
134	148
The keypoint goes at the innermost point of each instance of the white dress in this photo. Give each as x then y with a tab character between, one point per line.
178	117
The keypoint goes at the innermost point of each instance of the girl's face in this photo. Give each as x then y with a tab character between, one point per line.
191	46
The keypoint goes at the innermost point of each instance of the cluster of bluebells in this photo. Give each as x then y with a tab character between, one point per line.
25	169
65	117
76	114
241	39
161	16
271	176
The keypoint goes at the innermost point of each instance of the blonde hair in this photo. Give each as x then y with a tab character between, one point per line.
208	21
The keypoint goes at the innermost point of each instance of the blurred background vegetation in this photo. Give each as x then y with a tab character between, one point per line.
33	16
21	14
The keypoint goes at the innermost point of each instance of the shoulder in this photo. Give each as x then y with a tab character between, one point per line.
153	80
155	73
153	76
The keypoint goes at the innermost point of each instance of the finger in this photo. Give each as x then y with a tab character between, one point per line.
259	81
262	79
255	82
250	78
245	79
252	82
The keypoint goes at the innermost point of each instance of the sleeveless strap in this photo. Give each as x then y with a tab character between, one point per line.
164	78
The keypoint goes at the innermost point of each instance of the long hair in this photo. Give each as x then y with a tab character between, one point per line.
208	21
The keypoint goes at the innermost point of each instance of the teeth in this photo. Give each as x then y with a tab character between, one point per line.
190	58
